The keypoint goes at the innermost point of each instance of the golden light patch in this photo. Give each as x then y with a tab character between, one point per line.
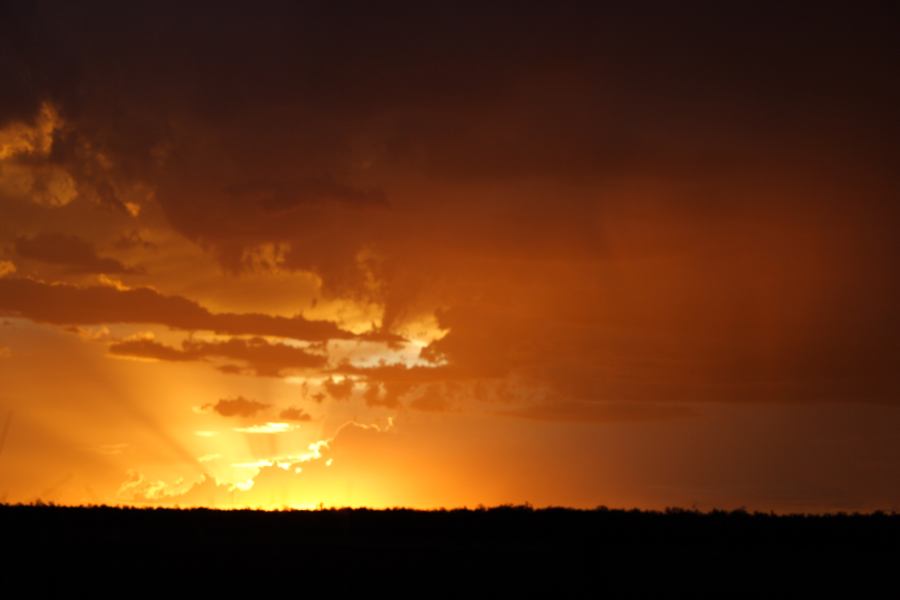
7	267
421	330
356	315
106	280
253	464
44	184
272	292
47	185
271	427
133	208
57	188
268	256
19	138
138	486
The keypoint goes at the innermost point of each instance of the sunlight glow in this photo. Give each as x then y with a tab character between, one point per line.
270	427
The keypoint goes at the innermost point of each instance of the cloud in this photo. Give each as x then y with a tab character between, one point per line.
258	356
132	239
435	389
137	488
294	414
68	251
98	333
294	479
64	304
238	407
7	267
638	208
377	395
261	357
25	169
148	348
19	138
339	390
436	398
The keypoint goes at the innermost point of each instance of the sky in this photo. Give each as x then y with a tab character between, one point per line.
303	254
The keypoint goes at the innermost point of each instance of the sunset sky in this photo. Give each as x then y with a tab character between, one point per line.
340	253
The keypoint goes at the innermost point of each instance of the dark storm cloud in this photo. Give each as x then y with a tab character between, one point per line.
650	202
283	109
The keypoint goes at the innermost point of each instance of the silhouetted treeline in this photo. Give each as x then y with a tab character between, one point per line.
552	550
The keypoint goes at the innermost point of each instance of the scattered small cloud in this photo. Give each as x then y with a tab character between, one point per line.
237	407
294	414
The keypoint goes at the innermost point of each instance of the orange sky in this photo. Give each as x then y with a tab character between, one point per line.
445	257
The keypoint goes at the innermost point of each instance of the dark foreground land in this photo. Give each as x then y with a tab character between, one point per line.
81	552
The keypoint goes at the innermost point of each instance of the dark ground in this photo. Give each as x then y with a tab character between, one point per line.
85	552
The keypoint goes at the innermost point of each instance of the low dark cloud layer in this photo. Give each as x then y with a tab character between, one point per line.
253	356
63	304
69	252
